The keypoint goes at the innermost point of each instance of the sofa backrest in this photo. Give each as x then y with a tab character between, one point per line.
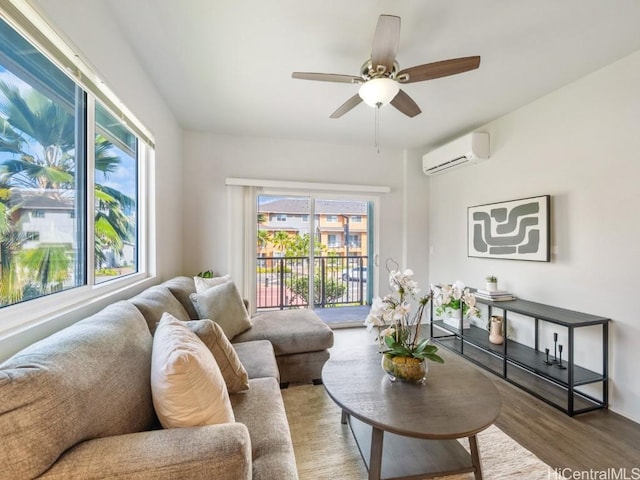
86	381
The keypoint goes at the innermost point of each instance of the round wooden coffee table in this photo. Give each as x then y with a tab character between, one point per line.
410	431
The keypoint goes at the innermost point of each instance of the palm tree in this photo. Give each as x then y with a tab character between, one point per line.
40	134
112	226
280	240
35	118
50	263
263	239
10	291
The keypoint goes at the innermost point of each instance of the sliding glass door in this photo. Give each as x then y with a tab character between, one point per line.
314	244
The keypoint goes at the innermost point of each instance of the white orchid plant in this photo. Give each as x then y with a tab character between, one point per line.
454	296
391	315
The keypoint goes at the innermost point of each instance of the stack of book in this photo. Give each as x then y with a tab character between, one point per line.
495	296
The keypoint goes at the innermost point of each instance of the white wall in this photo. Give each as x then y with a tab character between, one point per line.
416	198
210	159
579	144
92	29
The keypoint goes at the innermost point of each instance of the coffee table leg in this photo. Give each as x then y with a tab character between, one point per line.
475	457
343	419
375	457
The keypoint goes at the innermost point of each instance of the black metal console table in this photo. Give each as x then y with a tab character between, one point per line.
524	366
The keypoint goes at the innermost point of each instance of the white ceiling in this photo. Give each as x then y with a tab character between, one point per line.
225	66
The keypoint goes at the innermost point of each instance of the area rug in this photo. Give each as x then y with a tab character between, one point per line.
325	449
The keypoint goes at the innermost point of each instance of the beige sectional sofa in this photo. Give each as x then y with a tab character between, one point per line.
78	404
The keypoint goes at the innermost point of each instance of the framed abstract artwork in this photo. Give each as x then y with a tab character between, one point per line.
513	230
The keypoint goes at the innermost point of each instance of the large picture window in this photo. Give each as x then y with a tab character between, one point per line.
51	238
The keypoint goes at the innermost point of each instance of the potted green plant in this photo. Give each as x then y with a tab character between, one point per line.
492	283
206	274
454	302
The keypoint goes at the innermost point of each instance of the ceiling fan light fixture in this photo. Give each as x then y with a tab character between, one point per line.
378	91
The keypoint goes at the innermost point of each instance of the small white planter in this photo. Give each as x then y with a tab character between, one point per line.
492	286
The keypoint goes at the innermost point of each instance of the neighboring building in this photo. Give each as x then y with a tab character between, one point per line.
47	216
340	225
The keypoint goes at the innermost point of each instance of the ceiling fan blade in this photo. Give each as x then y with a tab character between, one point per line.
444	68
346	106
327	77
405	104
385	42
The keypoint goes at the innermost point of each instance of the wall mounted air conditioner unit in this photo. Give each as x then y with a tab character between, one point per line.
471	148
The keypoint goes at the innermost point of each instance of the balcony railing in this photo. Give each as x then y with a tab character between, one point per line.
283	282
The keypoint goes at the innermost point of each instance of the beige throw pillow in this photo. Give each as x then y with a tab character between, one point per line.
187	386
203	284
233	372
223	305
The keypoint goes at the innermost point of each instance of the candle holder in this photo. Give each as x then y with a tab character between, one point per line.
555	348
546	357
560	365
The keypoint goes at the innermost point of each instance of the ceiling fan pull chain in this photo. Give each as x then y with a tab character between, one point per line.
377	129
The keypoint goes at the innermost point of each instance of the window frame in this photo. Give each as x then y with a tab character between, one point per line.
38	311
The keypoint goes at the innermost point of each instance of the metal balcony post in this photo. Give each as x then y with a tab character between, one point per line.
281	286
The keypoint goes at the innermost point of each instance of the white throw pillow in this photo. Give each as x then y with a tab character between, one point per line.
223	304
187	386
203	284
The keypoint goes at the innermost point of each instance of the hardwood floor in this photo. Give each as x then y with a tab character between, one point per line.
595	441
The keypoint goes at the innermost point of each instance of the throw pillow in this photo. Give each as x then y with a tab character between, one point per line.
154	302
187	387
233	372
223	305
203	284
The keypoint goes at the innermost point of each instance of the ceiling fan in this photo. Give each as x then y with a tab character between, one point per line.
380	76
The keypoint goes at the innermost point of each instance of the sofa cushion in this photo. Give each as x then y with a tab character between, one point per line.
290	331
203	284
155	301
182	287
262	411
258	358
234	374
187	386
89	380
223	305
302	367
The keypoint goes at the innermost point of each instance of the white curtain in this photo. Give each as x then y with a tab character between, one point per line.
242	221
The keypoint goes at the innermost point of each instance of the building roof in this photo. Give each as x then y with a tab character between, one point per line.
43	199
301	206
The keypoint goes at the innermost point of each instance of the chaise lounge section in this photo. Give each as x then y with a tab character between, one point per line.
300	340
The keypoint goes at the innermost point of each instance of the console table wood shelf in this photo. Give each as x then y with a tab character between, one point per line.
524	366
